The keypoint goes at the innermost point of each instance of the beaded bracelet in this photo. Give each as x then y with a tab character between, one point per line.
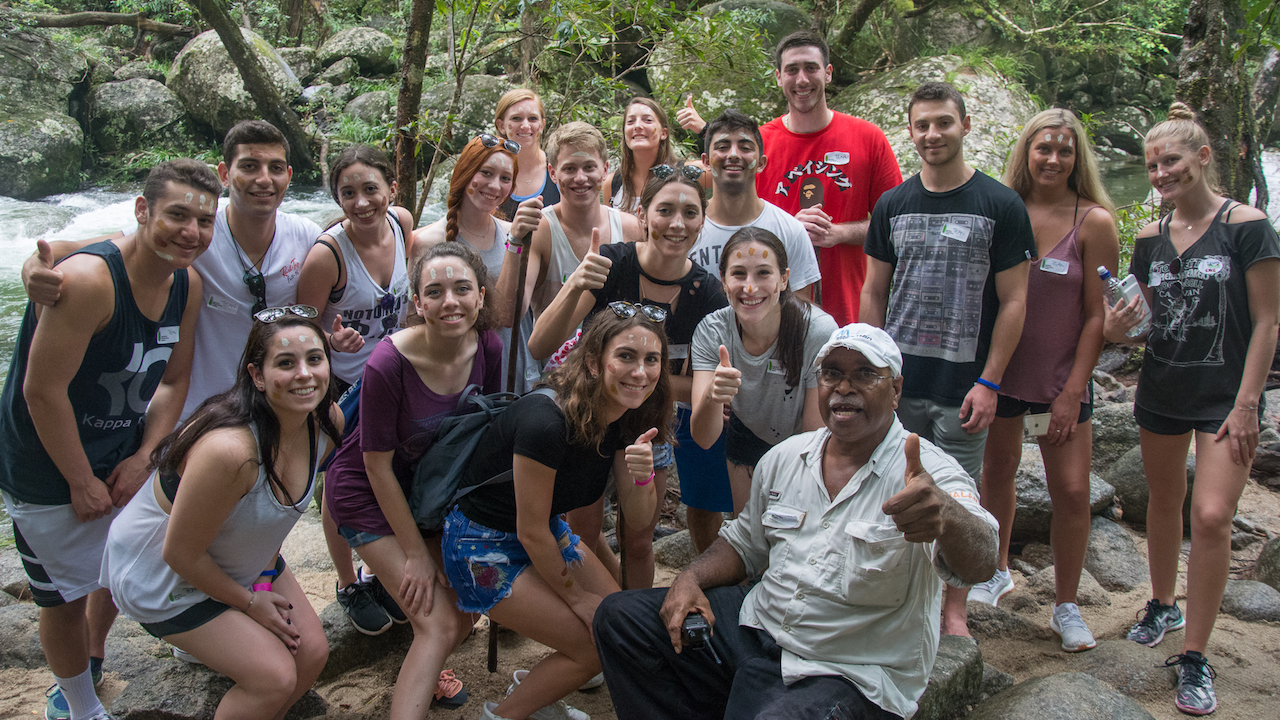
252	596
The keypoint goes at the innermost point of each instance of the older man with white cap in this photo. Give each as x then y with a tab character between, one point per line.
852	531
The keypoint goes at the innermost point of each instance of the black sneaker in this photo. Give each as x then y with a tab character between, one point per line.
388	603
1157	619
1195	683
363	610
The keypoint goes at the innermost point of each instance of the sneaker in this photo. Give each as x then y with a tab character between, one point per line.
593	683
1157	619
55	706
557	710
363	610
449	691
184	656
488	714
1195	683
1066	621
385	601
991	591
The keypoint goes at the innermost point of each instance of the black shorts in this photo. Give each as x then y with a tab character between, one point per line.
196	615
1162	425
1007	407
741	446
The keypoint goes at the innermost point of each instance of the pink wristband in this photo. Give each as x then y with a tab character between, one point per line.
652	474
262	587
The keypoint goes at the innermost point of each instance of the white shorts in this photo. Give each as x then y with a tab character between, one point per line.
61	555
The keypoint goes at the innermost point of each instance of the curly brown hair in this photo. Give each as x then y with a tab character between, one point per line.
581	391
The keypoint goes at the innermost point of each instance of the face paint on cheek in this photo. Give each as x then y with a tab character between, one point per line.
654	235
471	191
164	256
613	389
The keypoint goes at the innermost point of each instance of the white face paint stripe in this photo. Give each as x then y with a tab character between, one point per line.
188	197
581	154
448	271
433	273
1071	142
1048	137
682	197
1059	137
284	342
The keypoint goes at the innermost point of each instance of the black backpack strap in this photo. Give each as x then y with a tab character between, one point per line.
616	185
502	477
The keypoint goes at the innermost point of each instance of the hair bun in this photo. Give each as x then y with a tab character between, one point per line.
1180	111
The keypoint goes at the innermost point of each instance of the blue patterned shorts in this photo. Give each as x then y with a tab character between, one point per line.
483	563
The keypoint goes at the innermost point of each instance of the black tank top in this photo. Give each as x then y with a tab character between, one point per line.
121	370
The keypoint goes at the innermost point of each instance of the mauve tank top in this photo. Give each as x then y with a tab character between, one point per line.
1042	362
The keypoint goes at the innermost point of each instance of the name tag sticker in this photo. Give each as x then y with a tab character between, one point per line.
678	352
168	335
1211	266
774	368
836	158
1057	266
955	232
226	305
783	519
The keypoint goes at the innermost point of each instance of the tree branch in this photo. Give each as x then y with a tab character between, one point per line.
104	19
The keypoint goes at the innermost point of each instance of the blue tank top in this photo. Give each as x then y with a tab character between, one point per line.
121	370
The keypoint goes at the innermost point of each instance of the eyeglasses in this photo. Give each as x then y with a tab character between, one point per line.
624	309
492	141
258	287
858	379
270	315
691	172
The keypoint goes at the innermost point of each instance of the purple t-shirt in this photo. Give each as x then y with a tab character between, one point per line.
395	405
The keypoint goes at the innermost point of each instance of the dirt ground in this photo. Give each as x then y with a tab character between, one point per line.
1245	655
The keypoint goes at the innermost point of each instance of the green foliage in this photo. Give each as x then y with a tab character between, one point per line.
360	132
1131	219
131	167
1140	29
990	61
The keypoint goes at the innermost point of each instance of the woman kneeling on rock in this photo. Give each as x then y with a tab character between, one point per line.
194	557
506	549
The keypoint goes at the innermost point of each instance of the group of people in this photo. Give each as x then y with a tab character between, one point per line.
846	437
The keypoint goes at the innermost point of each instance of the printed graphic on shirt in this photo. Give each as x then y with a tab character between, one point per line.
1195	304
380	320
935	308
291	270
810	192
131	385
812	172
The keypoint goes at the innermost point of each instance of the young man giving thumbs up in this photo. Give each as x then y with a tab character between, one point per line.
853	529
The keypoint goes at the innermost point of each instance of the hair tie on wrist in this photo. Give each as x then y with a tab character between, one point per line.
987	383
652	475
252	595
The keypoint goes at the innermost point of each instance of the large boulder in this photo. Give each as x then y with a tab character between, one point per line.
13	579
988	621
1251	601
675	550
1066	696
741	77
138	69
209	84
137	114
342	71
956	679
1267	568
1035	507
20	628
179	691
997	104
368	47
480	94
1113	558
303	62
1129	479
41	145
1133	669
1043	586
348	649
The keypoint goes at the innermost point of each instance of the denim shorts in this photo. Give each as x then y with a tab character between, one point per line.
482	563
356	538
663	455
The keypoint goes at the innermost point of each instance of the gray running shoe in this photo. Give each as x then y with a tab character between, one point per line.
1157	619
1195	683
991	591
1070	627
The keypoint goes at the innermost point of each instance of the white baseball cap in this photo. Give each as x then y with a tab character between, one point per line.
874	344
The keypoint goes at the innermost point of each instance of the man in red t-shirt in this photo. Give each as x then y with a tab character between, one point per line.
826	168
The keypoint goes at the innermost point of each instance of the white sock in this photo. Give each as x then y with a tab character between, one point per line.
364	574
80	695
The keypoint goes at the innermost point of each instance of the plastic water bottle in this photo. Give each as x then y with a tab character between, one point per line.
1125	291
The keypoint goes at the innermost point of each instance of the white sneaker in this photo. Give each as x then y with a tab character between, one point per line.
557	710
184	656
488	714
1066	621
991	591
593	683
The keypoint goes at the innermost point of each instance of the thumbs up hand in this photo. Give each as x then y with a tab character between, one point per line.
43	283
592	272
344	339
917	509
688	117
639	456
727	380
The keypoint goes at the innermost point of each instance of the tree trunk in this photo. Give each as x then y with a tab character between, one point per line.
1266	93
105	19
296	10
273	108
1215	87
414	63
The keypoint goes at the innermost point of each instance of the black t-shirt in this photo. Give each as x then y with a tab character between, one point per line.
550	194
700	295
1201	324
946	248
535	427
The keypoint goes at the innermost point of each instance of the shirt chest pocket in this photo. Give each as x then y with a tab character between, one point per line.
781	526
878	566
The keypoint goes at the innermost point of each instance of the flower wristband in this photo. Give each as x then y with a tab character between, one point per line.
652	474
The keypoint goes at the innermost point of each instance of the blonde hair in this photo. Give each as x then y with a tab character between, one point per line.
509	99
1180	124
578	134
1085	178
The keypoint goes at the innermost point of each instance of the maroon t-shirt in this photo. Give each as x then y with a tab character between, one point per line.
395	405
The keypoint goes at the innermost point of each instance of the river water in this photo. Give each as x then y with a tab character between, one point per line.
98	212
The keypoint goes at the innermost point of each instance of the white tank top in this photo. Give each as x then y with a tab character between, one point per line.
143	585
563	259
362	305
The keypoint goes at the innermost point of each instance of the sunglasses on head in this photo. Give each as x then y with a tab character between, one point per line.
258	287
270	315
492	141
691	172
624	309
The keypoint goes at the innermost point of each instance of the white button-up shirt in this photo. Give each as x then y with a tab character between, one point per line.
842	592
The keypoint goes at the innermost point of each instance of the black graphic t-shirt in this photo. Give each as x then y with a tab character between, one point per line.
1200	331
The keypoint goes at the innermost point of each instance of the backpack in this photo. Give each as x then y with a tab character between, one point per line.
439	472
